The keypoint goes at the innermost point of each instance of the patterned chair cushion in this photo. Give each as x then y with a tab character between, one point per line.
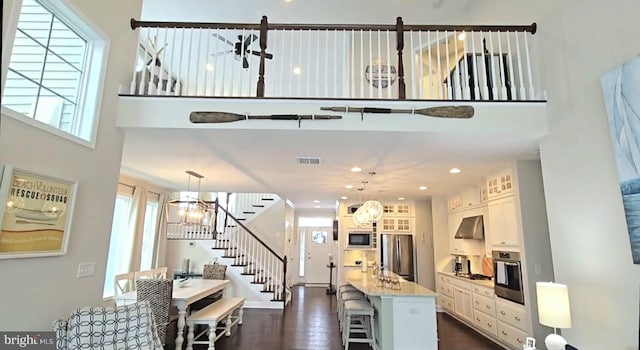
214	271
125	327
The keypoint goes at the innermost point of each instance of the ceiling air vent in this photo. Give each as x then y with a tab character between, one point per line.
308	160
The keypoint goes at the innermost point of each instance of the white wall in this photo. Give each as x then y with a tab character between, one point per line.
589	241
269	226
424	244
42	287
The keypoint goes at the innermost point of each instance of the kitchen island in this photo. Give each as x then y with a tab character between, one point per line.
405	317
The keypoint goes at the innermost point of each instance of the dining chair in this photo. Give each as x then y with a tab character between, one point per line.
214	271
158	292
160	272
145	274
124	283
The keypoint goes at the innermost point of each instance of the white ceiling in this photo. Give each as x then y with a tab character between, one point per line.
264	160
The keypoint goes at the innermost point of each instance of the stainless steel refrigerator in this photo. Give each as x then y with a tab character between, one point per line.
396	254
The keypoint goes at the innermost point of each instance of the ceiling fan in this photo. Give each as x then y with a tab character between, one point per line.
240	48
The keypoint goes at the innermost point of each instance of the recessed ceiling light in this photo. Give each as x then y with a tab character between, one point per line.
297	70
317	206
316	201
344	197
422	188
348	186
356	169
455	171
400	198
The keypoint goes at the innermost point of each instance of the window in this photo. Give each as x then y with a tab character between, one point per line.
149	235
55	70
120	245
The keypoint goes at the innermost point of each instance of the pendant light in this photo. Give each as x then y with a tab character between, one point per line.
190	210
370	211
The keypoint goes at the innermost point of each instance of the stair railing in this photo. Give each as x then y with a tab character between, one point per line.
257	257
353	61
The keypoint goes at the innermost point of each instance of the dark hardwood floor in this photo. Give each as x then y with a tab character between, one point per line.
310	323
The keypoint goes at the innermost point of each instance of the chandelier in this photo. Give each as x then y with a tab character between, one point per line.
187	209
370	211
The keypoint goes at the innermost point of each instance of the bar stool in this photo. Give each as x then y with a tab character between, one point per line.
364	312
345	296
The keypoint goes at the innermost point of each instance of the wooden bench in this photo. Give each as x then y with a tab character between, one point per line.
221	310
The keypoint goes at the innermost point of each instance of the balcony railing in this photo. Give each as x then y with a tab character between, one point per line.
265	60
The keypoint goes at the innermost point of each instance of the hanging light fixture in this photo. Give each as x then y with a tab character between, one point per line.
370	211
190	210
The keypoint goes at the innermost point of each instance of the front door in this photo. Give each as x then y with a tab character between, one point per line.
317	250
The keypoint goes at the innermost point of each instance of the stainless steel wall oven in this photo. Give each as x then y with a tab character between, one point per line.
507	276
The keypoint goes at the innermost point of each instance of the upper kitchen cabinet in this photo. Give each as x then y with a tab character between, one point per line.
470	198
396	210
395	225
500	184
459	246
503	225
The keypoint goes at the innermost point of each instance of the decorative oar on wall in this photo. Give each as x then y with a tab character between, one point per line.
457	112
226	117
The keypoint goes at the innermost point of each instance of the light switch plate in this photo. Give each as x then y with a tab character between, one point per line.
86	269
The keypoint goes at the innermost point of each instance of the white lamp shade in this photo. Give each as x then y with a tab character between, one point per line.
553	304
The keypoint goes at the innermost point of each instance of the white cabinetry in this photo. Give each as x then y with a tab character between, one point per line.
464	246
500	184
463	303
395	225
503	223
512	323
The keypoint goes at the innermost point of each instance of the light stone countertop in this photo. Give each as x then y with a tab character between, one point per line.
367	284
484	283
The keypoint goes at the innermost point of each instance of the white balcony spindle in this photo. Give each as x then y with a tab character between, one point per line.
523	95
421	67
326	63
291	48
335	63
476	79
308	66
458	69
377	75
352	86
413	65
465	70
532	93
362	62
438	57
170	62
388	75
503	77
430	66
510	69
484	70
143	73
448	67
494	88
370	63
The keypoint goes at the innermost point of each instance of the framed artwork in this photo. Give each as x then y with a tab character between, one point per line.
36	212
621	88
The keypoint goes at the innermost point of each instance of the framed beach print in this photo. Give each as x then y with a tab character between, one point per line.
35	216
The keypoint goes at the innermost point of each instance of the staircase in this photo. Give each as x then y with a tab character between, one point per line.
251	261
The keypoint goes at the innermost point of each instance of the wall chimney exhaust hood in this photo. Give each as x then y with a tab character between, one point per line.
471	228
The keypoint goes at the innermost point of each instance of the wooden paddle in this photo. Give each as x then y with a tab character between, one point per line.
226	117
460	112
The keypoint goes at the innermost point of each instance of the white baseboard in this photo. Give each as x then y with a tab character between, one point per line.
254	304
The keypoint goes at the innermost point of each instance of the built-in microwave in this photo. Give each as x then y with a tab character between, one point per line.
360	239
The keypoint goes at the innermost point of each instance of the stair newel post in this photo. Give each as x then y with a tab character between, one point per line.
284	281
402	89
215	220
264	25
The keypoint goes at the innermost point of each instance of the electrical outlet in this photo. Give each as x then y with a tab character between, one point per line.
86	269
192	244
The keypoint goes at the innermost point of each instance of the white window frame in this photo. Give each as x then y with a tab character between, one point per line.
94	71
108	289
153	231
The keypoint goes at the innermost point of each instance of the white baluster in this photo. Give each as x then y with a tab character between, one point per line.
420	68
362	62
503	78
352	88
170	63
199	66
523	95
413	66
458	68
448	73
335	63
476	80
485	75
532	93
511	74
430	67
143	74
326	63
438	56
465	71
494	88
308	66
300	62
379	66
370	63
388	76
132	86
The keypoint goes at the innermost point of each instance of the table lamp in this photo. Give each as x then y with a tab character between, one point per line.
553	311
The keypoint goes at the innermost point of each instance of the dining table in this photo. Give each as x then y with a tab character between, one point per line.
182	297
